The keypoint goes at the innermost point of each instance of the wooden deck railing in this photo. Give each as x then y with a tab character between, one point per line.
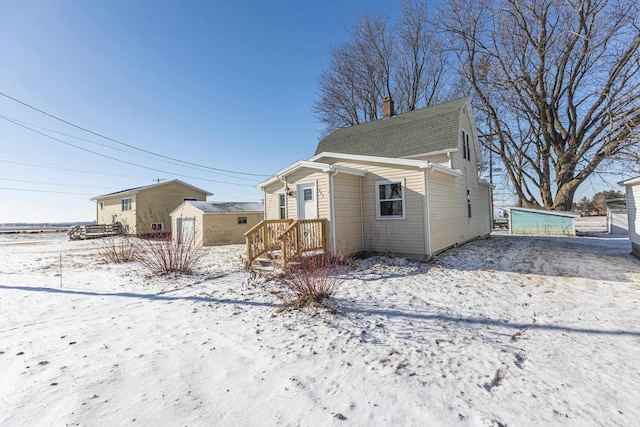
82	232
290	237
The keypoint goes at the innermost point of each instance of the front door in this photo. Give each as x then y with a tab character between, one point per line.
307	204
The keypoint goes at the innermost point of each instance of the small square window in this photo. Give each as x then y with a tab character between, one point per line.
157	226
308	194
242	220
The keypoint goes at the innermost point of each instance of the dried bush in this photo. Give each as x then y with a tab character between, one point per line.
162	255
311	282
115	249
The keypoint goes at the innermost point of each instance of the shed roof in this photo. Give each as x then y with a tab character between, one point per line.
135	190
228	207
426	130
541	211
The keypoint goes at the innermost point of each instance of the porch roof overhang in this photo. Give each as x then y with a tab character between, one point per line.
420	164
309	164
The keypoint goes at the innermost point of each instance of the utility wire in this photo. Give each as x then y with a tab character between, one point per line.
21	162
125	144
46	191
123	150
120	160
51	183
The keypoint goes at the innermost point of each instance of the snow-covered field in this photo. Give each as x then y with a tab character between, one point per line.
505	331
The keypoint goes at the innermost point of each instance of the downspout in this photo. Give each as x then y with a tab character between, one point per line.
427	214
332	212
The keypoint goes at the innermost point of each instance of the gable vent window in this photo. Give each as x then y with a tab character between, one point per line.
466	147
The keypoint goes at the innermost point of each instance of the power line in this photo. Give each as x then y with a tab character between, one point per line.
51	183
125	144
46	191
21	162
120	160
121	149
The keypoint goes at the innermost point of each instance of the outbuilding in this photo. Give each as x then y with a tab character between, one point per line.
540	222
633	201
214	223
617	221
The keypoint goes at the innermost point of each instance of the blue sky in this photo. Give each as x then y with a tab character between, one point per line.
227	84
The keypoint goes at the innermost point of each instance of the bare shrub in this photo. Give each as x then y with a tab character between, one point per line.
312	282
161	255
116	249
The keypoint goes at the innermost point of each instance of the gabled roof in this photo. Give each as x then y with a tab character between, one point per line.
227	207
324	167
146	187
631	181
430	129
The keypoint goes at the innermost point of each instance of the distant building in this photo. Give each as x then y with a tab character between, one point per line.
633	202
541	222
617	217
145	210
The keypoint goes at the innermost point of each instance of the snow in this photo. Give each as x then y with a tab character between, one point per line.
505	331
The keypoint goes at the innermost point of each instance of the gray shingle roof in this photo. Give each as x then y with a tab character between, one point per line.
135	190
228	207
421	131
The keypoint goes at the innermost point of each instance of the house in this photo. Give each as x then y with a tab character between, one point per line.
541	222
214	223
617	219
633	202
405	184
145	210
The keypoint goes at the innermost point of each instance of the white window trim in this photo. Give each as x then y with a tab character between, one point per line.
404	197
157	223
122	204
246	220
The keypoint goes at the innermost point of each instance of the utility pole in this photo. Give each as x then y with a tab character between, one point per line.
158	180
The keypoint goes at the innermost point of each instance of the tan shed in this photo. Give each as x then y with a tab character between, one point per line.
214	223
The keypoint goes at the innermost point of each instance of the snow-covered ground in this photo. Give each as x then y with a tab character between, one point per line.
505	331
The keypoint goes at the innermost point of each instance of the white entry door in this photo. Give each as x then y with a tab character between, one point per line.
186	231
307	204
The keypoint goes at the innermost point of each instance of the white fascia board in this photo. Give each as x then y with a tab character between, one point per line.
439	168
348	171
431	153
324	167
373	159
631	181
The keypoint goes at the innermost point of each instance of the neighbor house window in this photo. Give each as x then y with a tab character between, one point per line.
469	202
101	206
390	199
157	226
281	206
242	220
126	204
189	199
466	148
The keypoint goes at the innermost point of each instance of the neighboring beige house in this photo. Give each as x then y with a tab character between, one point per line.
633	202
406	184
214	223
145	210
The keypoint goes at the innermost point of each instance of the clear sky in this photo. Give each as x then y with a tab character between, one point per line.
230	85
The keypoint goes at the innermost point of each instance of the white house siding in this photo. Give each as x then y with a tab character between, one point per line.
347	213
397	236
633	199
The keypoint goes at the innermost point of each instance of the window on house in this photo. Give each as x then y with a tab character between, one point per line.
281	206
126	204
189	199
390	199
157	226
308	194
242	220
114	218
469	202
126	228
101	206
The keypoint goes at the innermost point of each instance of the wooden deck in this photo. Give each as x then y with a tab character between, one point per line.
83	232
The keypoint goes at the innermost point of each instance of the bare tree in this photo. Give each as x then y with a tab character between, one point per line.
406	60
557	82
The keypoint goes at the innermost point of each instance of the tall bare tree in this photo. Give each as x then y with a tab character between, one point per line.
556	86
405	60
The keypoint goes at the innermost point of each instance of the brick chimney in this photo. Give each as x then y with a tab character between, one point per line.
387	107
